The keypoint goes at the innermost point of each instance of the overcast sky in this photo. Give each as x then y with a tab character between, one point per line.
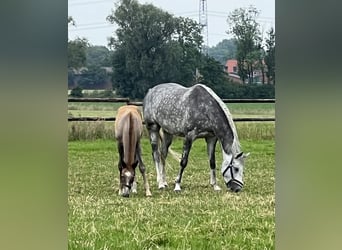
90	16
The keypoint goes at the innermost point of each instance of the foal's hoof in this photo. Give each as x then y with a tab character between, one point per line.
161	186
217	188
148	194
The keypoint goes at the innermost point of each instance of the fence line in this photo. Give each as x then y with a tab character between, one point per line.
137	103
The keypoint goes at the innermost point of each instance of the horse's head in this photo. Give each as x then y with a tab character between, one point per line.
232	172
127	174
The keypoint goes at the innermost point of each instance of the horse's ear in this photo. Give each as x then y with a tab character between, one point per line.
123	164
241	154
135	164
238	155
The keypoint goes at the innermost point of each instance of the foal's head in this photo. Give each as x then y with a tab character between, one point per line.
127	174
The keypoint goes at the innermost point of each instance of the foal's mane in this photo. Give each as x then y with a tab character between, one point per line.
236	143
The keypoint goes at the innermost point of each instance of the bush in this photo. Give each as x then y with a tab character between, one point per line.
100	94
246	91
76	92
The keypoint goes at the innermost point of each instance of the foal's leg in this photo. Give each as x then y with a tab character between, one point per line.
184	161
154	139
165	144
211	143
121	152
142	171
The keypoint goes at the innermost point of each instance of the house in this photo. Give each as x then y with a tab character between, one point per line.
232	69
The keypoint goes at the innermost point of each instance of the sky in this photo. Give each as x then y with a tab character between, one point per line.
90	16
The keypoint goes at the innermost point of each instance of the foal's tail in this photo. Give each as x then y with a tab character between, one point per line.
174	154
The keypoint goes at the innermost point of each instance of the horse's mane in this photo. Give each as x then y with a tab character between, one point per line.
236	143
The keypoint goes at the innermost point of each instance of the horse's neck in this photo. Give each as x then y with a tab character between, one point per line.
226	159
229	144
224	128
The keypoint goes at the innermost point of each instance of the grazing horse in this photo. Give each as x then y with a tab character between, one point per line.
128	131
195	112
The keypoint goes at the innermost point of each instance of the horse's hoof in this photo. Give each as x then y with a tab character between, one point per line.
217	188
148	194
161	187
177	188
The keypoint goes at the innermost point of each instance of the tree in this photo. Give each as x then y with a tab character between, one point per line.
76	50
243	25
152	46
212	74
99	56
224	50
270	56
71	21
76	53
92	76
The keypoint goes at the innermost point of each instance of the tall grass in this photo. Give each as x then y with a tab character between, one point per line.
101	129
105	130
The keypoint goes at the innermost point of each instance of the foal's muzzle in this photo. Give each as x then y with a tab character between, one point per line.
125	190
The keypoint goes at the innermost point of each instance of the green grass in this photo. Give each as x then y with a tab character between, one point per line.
77	109
104	130
196	218
252	109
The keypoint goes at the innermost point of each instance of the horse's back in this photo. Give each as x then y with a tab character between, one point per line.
178	109
125	115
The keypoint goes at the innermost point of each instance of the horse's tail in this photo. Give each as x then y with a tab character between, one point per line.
129	139
174	154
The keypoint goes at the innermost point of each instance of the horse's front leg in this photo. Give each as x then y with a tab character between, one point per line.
211	144
184	161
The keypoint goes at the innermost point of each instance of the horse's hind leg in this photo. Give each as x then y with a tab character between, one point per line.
184	161
121	152
143	171
154	139
166	140
211	144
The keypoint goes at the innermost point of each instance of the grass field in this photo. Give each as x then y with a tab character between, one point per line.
78	109
196	218
104	130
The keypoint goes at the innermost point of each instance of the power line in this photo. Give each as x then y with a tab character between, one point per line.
90	2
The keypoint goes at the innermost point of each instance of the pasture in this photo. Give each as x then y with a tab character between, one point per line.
196	218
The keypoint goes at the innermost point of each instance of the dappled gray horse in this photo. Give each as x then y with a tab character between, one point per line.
195	112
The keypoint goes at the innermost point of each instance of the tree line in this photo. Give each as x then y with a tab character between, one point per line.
151	46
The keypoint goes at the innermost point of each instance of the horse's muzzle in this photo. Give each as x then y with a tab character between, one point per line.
234	186
125	190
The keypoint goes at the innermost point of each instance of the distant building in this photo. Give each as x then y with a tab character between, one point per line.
232	69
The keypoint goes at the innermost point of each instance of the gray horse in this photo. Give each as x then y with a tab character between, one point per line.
195	112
